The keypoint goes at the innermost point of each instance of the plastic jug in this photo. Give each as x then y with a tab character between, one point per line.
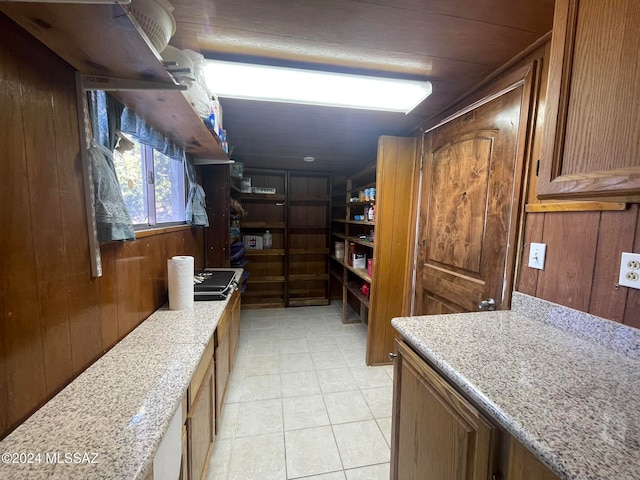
267	240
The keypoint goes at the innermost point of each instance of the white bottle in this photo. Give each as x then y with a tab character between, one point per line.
267	239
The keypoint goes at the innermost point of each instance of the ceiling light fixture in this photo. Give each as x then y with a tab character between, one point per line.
308	159
311	87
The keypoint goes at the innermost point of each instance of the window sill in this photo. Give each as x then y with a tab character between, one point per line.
149	232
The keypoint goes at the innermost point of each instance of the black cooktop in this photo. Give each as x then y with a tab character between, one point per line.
213	285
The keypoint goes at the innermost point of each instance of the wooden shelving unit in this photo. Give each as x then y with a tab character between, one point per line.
107	42
295	271
266	286
348	231
308	229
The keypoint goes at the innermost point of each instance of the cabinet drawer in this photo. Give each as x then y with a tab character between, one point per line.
201	371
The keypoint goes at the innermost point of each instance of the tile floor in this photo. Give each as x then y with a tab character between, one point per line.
301	402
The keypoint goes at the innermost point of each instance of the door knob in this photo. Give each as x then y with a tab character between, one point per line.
489	304
392	356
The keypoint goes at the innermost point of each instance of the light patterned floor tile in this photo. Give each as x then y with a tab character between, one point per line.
385	427
371	377
361	444
344	407
304	412
266	365
372	472
258	458
264	387
259	418
311	451
379	400
295	362
299	383
335	426
336	380
218	468
328	359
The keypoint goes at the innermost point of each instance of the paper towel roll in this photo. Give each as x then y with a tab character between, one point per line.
180	273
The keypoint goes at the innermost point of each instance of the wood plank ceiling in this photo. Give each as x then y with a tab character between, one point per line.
453	43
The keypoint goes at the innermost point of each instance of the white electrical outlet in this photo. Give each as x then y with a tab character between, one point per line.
630	270
537	253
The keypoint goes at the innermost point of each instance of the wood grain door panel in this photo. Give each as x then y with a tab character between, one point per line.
466	224
458	199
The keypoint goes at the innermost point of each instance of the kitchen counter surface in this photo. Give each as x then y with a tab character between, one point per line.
120	407
538	371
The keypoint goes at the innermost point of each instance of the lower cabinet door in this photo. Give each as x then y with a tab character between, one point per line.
234	328
436	433
222	372
523	465
200	427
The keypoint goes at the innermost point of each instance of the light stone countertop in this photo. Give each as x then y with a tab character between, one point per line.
574	403
121	406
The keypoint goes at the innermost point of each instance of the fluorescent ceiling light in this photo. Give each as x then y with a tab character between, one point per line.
290	85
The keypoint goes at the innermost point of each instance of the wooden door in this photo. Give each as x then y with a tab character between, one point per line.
436	434
469	211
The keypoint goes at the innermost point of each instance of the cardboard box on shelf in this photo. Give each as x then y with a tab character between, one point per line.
252	242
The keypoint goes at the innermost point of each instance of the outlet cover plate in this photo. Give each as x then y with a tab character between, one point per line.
537	253
630	270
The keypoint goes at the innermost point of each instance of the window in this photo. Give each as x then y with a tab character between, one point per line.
152	185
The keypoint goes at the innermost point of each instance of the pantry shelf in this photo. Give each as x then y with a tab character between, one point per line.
107	41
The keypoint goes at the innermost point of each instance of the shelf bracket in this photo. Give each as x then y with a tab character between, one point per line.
112	84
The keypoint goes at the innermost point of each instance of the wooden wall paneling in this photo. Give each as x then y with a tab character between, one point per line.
632	310
109	296
215	182
571	239
23	381
615	235
46	90
128	284
82	290
533	229
198	247
153	283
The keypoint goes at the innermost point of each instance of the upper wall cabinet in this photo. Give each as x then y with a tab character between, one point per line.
592	118
107	41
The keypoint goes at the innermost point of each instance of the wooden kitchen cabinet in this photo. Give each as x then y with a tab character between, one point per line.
524	466
436	433
222	362
440	435
200	431
234	328
592	116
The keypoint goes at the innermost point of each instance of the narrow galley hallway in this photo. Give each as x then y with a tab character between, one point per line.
301	402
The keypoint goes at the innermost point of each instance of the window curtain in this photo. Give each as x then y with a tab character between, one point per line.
113	221
148	135
196	213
